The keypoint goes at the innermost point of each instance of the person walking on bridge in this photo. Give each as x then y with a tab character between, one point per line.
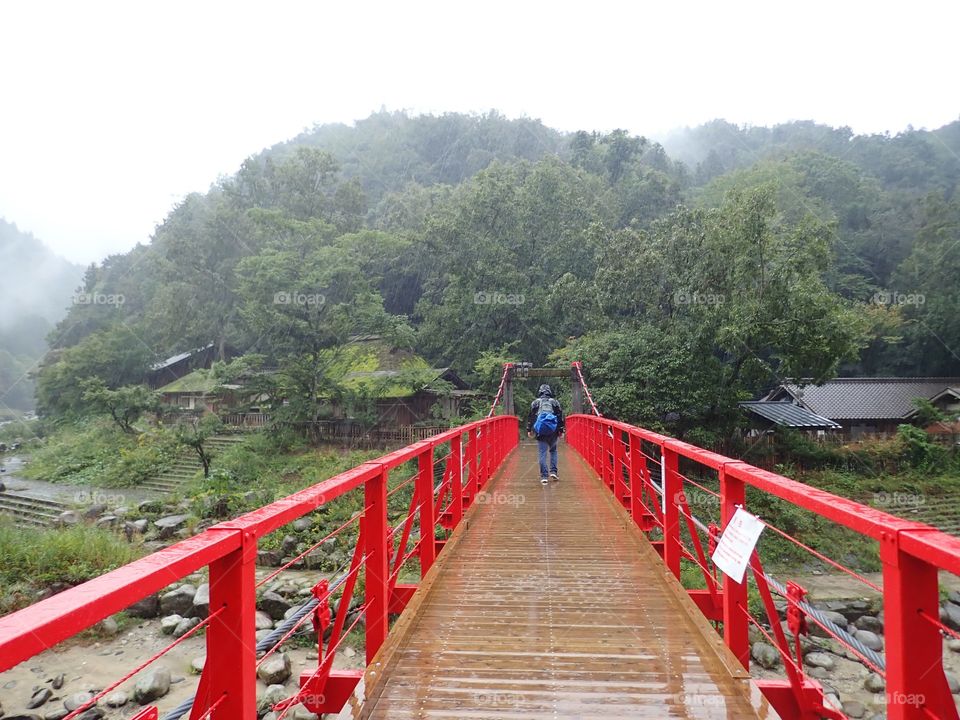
546	422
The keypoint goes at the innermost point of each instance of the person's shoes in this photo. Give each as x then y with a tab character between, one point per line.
543	481
554	476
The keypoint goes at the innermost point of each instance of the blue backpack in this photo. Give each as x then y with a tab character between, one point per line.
546	422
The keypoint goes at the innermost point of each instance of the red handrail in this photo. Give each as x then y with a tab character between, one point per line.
227	685
911	554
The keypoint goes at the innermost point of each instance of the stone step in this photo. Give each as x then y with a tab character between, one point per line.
27	519
52	504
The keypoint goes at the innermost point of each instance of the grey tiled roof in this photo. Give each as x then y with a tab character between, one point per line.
788	414
865	398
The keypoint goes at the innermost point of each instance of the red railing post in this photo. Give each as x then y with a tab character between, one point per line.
619	461
377	563
915	683
428	518
735	622
231	669
672	487
485	448
456	478
636	479
473	462
607	451
598	446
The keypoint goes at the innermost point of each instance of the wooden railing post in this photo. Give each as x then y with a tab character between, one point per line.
735	622
230	673
377	563
672	487
428	517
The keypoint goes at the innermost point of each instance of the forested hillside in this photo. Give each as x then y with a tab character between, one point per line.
36	290
684	281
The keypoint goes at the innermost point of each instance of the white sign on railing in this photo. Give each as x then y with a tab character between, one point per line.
736	544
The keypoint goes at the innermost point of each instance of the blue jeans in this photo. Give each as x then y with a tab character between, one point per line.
542	446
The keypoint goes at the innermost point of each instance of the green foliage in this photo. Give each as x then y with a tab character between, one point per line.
465	235
113	355
270	467
918	450
927	412
194	433
33	559
125	405
96	452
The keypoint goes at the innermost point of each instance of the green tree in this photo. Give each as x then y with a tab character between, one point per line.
194	432
125	404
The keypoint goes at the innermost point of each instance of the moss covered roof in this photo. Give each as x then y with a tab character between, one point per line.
198	381
368	365
372	366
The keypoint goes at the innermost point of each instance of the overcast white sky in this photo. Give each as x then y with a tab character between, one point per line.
113	112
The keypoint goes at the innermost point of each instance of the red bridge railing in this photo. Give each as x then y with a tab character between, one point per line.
658	480
227	688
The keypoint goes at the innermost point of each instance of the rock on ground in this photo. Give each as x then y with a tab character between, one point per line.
869	639
873	683
152	686
265	622
116	699
275	670
201	601
169	624
149	607
39	698
765	655
185	626
819	659
76	700
953	682
179	601
871	623
169	525
276	607
831	615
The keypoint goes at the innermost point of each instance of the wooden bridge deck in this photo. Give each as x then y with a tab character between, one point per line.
548	603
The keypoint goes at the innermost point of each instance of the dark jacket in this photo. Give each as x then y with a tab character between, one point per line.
557	410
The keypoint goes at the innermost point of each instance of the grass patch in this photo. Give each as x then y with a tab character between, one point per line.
96	452
35	559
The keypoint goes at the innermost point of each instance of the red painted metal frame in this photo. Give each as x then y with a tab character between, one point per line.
227	688
911	554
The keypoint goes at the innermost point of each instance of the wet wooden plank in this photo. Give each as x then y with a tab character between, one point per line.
547	603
